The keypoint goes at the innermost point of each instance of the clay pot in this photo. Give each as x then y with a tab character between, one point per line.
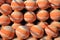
30	5
7	33
51	31
22	32
42	15
5	9
36	31
55	14
29	17
17	5
16	16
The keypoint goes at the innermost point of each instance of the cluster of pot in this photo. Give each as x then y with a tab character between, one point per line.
11	11
31	5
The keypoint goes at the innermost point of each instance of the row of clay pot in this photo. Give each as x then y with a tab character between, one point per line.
37	31
30	5
30	17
